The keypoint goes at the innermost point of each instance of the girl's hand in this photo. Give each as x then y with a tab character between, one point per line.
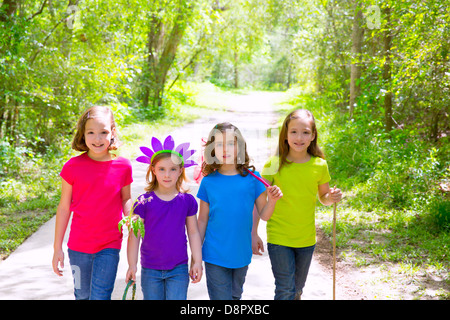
257	245
335	195
131	274
58	258
196	272
274	193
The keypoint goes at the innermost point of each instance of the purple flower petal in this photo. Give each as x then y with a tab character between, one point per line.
186	154
156	145
181	147
147	151
144	159
189	163
169	143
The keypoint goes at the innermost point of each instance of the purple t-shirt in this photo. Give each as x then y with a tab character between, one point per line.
165	245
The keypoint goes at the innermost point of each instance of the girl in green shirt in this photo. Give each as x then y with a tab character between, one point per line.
301	172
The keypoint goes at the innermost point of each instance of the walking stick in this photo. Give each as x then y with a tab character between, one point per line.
334	251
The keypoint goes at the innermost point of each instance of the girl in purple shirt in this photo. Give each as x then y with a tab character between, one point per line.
167	211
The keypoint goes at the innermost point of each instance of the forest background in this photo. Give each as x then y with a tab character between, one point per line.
376	75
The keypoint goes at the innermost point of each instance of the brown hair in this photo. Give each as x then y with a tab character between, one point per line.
211	163
153	184
283	146
78	142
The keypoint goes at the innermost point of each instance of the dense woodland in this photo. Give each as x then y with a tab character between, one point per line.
376	74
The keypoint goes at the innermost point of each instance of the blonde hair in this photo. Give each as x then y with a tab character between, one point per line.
153	183
283	146
78	142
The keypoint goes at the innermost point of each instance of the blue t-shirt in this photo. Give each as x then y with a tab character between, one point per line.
228	239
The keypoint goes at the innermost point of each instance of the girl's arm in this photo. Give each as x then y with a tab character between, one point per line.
265	208
125	192
195	243
257	244
329	196
132	255
203	217
62	219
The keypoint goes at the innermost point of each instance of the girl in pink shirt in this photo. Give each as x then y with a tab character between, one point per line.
96	189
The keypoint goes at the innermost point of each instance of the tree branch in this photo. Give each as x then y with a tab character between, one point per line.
45	40
38	12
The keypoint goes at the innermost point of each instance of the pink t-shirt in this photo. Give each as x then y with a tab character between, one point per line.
96	201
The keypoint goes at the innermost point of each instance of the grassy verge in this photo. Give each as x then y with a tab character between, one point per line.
402	251
29	197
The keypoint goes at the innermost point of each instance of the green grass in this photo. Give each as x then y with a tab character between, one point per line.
400	243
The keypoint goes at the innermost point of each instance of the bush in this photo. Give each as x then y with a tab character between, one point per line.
439	213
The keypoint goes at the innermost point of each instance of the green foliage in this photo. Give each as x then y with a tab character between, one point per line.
439	212
390	156
132	221
380	170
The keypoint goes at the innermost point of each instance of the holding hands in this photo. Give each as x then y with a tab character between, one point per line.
196	271
274	193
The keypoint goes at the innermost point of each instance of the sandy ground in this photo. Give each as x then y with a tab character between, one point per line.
27	272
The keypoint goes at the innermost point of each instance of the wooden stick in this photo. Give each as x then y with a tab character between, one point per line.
334	251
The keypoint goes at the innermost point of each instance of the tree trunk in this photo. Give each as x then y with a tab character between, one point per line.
9	7
289	77
387	71
66	43
1	122
355	71
162	51
236	64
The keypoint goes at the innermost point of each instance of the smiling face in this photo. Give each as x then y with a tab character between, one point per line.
300	134
167	173
97	135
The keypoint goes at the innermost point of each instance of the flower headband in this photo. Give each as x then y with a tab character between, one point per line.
168	147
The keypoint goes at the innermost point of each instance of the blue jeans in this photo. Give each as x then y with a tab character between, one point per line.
94	274
290	268
224	283
165	284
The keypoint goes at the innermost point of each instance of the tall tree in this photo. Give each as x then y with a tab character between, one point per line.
8	108
357	42
387	42
164	37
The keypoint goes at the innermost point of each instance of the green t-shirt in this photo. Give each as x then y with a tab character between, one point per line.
293	221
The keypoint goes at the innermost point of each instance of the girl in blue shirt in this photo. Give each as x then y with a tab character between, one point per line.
227	196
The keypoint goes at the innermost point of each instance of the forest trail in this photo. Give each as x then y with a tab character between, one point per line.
27	273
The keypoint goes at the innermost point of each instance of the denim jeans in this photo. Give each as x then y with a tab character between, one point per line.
290	268
94	274
165	284
224	283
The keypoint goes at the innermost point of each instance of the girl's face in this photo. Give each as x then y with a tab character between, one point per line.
300	134
97	135
167	173
225	148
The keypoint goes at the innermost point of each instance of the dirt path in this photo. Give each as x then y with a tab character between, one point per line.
27	273
253	115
